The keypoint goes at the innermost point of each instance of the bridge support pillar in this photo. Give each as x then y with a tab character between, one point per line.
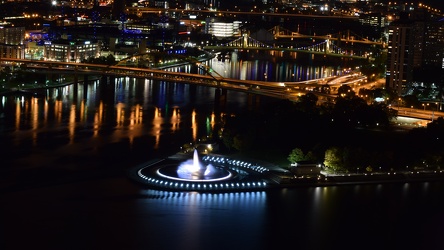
339	39
327	46
140	87
85	91
220	100
245	41
107	86
48	78
253	102
224	96
76	91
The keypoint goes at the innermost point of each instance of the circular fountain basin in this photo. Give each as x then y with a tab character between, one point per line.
213	174
171	172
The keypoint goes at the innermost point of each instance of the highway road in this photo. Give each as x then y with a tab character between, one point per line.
419	113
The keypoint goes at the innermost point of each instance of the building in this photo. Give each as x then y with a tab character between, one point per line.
416	41
428	42
399	55
71	51
305	169
222	28
433	44
11	41
377	20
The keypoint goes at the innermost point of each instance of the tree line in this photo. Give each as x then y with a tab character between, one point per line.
346	134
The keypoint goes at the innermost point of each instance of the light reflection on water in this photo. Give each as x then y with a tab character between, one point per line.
128	110
115	214
263	70
194	220
73	119
246	200
78	128
310	218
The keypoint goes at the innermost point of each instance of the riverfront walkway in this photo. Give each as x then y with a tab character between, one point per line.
260	175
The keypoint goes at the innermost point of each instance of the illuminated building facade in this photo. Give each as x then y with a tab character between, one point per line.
428	46
373	19
399	70
434	44
221	28
416	41
70	51
11	41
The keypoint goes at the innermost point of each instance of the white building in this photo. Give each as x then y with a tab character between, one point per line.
71	51
221	29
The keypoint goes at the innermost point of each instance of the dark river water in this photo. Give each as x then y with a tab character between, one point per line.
63	183
113	213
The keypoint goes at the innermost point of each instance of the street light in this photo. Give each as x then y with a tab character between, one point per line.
433	111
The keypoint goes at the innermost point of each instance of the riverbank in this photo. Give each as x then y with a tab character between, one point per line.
283	178
361	179
276	177
36	89
265	175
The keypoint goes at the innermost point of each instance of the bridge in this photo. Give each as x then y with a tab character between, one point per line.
285	90
346	36
139	11
326	47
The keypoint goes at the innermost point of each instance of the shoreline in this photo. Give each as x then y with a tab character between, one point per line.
38	90
338	180
280	178
362	182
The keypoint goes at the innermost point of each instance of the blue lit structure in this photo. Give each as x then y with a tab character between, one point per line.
243	176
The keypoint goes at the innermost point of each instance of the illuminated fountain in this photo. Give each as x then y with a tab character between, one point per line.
211	173
193	169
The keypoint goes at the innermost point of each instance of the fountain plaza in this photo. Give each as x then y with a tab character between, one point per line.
207	173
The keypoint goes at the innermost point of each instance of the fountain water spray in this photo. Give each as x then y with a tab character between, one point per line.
194	169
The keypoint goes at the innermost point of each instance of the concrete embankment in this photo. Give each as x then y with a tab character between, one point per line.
379	178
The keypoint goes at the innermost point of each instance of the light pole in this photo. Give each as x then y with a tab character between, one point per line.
433	111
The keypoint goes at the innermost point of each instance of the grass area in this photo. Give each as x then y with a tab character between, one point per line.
274	156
